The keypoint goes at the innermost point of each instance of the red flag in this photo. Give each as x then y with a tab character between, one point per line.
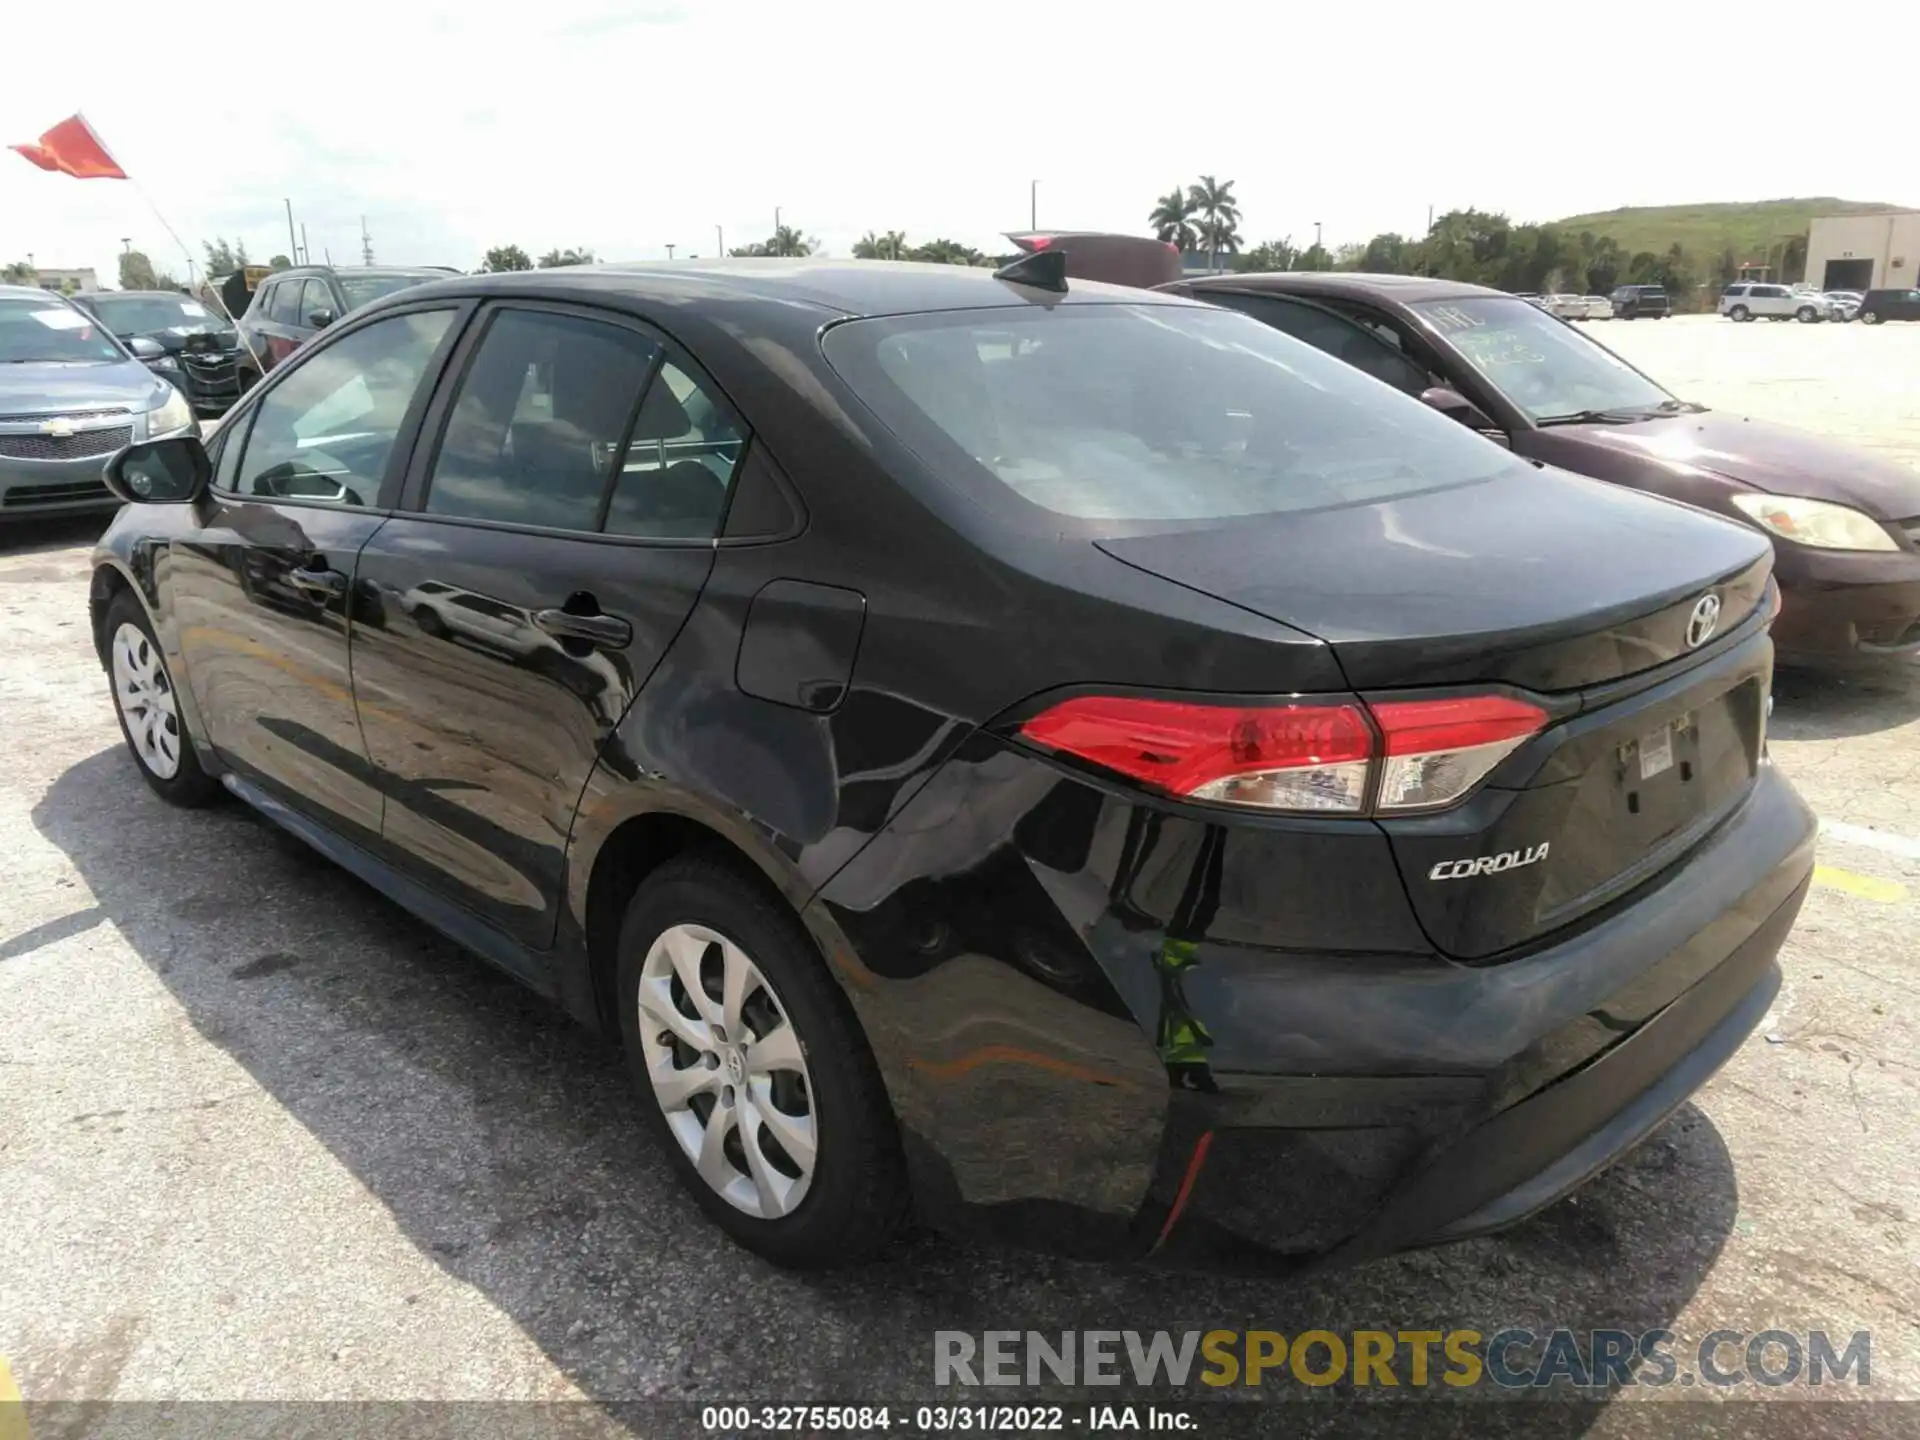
71	148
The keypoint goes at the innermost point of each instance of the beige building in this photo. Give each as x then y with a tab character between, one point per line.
68	282
1865	252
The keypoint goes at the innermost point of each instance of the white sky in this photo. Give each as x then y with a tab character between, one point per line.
623	127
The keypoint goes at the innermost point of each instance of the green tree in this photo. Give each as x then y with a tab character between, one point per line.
503	258
136	272
890	246
554	259
784	241
17	273
1387	254
222	258
946	252
279	262
1172	219
1314	257
1213	201
1266	256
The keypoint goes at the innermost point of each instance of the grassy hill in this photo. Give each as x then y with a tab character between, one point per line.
1750	227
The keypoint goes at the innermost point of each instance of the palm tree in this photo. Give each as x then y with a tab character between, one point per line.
789	241
1219	214
890	246
1172	219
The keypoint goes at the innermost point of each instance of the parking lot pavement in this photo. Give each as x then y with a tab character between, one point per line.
264	1136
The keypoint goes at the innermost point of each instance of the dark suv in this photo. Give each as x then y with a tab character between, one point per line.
1640	302
290	308
1878	305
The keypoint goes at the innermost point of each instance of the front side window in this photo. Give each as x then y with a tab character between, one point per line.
536	430
1547	369
52	331
1147	413
316	297
326	431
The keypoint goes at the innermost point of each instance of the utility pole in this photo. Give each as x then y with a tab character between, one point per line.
306	251
777	248
719	244
126	244
1316	234
366	243
293	242
669	252
1033	205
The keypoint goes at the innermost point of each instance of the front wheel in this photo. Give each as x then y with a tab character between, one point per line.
1806	315
148	708
752	1070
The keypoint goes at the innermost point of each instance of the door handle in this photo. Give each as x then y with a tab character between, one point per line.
608	632
322	583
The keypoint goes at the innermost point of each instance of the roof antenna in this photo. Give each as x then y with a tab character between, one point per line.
1042	269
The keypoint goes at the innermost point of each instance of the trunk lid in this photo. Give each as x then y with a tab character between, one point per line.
1538	579
1585	596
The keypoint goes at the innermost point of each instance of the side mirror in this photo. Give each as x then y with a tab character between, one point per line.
173	471
1455	406
320	319
145	349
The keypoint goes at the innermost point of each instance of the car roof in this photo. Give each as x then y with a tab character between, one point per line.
323	270
116	294
24	292
1399	289
850	287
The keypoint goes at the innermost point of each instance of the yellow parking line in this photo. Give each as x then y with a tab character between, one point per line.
13	1411
1865	886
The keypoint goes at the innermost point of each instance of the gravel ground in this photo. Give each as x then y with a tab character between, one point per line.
265	1138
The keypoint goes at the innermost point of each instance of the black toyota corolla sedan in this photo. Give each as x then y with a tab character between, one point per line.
1065	762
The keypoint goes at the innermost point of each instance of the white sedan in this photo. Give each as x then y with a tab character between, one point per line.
1599	307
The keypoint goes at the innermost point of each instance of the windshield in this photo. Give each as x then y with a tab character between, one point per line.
1147	412
140	314
51	331
364	289
1542	365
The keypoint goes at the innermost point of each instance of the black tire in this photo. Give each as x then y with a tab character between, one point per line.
1739	314
858	1196
1869	317
1806	315
190	785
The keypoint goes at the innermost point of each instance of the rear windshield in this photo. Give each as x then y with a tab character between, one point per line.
1147	412
50	331
136	314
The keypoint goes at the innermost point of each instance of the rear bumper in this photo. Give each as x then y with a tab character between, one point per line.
1092	1047
1839	607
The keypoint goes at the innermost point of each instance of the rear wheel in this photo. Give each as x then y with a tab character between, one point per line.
1869	317
752	1070
144	699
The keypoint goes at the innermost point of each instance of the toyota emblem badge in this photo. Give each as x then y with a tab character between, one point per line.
1701	624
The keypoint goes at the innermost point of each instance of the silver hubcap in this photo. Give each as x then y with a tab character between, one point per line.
145	695
728	1070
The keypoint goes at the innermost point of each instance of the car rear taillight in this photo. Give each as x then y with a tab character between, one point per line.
1337	756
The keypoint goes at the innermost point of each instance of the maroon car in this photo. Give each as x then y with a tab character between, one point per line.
1845	523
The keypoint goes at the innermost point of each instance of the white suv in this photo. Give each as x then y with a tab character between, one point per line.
1748	300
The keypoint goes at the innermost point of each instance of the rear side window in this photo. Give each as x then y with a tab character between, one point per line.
684	451
315	297
1114	413
539	424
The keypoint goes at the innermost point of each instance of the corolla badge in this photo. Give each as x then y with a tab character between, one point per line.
1488	864
1704	620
